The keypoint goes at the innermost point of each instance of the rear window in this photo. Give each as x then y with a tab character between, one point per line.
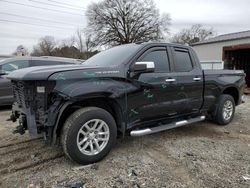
183	61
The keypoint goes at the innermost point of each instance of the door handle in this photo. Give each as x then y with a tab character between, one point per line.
170	80
197	79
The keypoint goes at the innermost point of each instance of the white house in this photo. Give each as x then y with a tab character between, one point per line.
233	49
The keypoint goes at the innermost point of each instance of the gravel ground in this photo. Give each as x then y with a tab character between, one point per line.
198	155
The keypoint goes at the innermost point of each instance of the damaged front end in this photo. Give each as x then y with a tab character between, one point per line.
36	107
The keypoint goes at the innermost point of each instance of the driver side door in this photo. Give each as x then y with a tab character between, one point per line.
146	102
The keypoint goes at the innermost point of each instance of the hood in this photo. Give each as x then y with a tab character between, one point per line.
58	72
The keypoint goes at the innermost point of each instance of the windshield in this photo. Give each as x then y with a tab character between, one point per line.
113	56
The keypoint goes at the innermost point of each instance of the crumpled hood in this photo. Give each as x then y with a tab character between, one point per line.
54	72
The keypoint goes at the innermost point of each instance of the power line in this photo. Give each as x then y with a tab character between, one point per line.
57	2
19	22
11	2
10	14
14	37
55	5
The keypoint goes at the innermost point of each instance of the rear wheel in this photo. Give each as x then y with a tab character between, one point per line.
88	135
225	110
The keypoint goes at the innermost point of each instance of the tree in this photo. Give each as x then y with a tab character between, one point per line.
69	41
113	22
66	51
84	43
80	40
196	33
21	51
78	47
45	46
89	45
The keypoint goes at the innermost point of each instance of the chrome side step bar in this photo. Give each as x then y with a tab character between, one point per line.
166	127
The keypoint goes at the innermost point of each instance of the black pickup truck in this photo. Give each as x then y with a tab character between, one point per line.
134	89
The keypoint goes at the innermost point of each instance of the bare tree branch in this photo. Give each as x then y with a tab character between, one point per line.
113	22
192	35
45	46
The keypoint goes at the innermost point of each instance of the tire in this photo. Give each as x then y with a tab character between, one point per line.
77	134
225	101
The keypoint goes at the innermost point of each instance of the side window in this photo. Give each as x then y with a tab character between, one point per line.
183	61
160	59
15	65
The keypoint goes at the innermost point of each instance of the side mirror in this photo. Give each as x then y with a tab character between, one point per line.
146	66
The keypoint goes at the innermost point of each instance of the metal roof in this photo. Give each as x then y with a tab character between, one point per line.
225	37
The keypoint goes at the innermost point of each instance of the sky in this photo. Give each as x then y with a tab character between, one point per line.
25	21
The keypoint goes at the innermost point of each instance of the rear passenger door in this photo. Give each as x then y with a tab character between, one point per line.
189	81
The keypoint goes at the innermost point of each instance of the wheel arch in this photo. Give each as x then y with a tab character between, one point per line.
232	91
106	103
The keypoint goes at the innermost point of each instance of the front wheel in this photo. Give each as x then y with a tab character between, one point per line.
88	135
225	110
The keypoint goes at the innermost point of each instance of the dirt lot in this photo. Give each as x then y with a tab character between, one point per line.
199	155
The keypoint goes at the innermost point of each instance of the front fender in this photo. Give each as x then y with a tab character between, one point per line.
77	91
94	86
